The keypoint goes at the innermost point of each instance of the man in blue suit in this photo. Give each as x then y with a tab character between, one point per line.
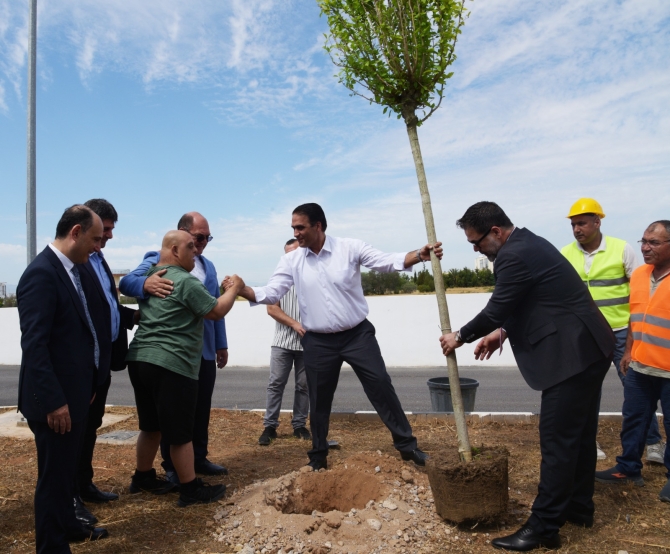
59	372
215	345
111	320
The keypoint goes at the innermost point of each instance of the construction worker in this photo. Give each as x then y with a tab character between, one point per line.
605	264
646	360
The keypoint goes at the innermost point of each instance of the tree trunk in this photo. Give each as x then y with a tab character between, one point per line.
445	325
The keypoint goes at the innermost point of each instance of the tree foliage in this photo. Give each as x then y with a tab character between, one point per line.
375	283
395	52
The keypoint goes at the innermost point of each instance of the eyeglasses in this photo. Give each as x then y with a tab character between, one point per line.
652	243
480	239
200	237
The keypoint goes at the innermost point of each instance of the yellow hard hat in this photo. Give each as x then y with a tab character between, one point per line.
586	206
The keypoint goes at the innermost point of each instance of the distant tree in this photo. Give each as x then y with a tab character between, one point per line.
9	301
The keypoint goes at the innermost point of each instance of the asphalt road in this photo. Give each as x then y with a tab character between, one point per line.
501	389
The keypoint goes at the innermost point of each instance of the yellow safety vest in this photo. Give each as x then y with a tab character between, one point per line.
606	280
650	319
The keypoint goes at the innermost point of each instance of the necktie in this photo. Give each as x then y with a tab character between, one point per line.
80	290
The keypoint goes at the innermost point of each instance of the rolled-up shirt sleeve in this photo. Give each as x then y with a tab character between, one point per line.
278	285
381	261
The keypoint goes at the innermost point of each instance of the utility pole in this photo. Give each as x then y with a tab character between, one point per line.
31	240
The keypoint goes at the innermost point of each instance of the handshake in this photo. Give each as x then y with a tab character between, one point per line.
233	282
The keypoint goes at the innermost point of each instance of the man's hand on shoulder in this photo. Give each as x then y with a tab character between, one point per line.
59	420
156	285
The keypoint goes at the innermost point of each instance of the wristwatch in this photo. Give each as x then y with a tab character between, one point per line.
458	336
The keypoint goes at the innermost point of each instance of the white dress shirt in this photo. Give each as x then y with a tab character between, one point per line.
68	264
199	270
328	284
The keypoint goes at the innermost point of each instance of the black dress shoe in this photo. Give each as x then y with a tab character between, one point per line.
417	456
87	533
208	468
82	514
91	493
316	465
526	539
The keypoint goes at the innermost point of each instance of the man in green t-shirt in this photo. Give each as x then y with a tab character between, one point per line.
163	364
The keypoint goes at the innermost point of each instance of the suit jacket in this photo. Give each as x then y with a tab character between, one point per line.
553	325
214	333
112	354
58	361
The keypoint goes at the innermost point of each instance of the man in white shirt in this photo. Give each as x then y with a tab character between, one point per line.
326	273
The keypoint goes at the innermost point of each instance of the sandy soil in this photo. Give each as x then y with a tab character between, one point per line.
367	501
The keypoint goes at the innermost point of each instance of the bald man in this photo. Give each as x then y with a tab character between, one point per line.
215	344
164	365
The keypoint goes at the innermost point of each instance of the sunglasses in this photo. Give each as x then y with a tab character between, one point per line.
200	237
480	239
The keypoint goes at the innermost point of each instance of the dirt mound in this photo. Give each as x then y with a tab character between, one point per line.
369	502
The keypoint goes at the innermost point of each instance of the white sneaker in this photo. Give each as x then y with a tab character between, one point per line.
656	452
601	454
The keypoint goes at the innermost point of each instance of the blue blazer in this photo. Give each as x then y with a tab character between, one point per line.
58	361
214	331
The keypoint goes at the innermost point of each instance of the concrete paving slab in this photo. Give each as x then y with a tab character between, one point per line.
119	437
13	425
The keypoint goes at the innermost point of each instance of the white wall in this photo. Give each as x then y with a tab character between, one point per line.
408	329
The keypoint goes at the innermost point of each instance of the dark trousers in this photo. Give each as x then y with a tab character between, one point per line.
641	394
57	457
323	355
206	381
96	411
568	428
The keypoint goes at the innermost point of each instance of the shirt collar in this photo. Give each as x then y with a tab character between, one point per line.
68	264
327	246
601	248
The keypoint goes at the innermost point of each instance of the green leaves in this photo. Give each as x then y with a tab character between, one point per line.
395	52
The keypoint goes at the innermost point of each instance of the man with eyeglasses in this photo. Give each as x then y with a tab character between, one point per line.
646	361
605	264
563	347
215	345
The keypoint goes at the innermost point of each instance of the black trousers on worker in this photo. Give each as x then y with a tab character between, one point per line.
57	457
568	429
324	354
206	381
96	411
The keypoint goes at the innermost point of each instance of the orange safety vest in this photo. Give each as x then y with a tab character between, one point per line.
650	319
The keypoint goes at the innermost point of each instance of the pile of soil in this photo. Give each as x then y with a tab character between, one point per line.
368	502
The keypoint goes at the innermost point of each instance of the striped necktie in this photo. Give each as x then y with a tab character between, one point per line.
80	290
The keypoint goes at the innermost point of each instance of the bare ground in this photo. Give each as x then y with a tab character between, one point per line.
627	518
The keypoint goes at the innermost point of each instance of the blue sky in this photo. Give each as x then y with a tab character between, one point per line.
231	108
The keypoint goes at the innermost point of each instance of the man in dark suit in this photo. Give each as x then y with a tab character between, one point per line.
58	372
111	321
563	346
